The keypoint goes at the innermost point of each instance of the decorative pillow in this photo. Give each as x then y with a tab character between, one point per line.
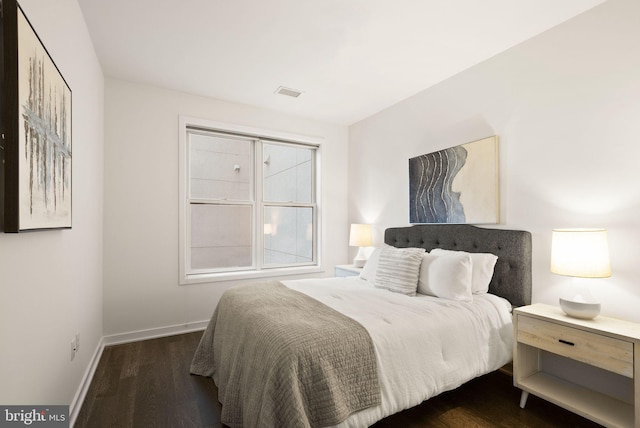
398	269
447	276
482	270
369	269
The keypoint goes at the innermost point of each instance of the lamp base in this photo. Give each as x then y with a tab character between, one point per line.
581	310
361	258
359	262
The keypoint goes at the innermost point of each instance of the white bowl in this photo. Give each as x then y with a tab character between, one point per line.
582	310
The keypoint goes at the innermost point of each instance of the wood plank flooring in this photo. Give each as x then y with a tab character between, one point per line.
147	384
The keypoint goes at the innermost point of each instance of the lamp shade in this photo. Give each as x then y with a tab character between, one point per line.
360	235
580	252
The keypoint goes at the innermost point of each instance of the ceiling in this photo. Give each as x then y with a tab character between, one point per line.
350	58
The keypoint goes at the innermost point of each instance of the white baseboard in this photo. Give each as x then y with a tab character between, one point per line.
152	333
78	399
116	339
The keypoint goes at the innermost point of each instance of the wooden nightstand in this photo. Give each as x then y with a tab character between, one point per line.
567	361
347	270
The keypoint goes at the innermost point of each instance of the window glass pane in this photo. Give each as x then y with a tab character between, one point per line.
288	235
220	168
221	236
287	173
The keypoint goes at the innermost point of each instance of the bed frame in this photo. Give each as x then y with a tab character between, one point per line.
512	273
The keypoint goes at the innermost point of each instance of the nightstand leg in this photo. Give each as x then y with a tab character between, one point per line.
523	399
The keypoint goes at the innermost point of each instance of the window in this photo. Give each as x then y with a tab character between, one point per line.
248	204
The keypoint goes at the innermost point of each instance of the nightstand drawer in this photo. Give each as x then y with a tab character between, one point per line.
597	350
347	270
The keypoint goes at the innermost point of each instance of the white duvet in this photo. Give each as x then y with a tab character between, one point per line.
424	345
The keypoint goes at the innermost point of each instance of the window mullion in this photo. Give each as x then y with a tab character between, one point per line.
258	206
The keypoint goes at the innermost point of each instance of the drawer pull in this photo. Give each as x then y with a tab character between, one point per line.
566	342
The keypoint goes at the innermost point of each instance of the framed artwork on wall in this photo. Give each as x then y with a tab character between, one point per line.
456	185
36	131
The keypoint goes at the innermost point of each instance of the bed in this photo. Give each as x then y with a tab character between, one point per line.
348	352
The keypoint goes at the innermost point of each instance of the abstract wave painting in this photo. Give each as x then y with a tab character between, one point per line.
456	185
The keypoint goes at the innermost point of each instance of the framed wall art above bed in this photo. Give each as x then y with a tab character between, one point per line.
456	185
36	131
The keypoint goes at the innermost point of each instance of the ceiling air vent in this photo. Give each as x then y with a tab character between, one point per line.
288	92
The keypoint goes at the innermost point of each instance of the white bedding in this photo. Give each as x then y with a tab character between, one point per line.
424	345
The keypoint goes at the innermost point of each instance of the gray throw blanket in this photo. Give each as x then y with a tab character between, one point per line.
283	359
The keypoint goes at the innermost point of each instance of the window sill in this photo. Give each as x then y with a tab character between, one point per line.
231	276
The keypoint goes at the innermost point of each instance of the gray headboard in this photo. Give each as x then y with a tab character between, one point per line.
512	274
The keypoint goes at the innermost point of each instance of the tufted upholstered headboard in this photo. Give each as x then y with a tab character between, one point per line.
512	273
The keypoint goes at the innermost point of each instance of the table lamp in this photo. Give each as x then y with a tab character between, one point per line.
582	253
360	236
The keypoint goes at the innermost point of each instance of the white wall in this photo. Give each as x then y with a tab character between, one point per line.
141	288
51	281
566	107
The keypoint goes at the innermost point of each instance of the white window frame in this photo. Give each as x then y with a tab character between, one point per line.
257	270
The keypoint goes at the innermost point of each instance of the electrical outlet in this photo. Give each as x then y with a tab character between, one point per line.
73	348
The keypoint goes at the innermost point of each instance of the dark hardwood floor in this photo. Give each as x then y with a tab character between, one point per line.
147	384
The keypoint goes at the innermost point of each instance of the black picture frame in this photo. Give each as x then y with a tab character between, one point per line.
36	179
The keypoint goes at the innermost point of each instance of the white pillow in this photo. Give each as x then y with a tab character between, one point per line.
398	269
447	276
482	270
369	269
